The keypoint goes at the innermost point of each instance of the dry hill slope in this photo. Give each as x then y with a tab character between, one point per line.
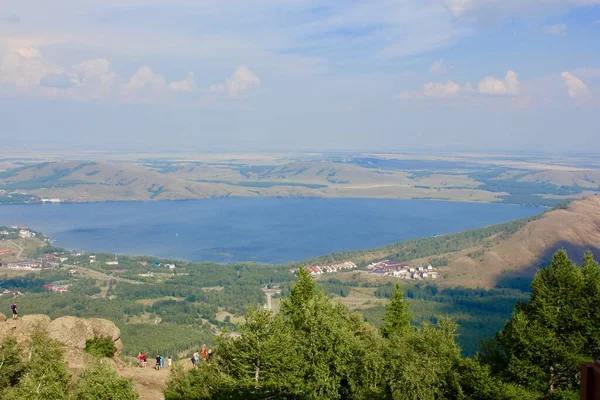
576	229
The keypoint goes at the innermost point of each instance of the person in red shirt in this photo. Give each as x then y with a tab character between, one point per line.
204	352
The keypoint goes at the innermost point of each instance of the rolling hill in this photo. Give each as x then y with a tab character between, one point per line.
575	229
90	181
78	181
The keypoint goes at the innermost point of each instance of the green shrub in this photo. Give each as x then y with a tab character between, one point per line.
101	346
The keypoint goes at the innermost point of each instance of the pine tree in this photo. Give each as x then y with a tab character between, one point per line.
397	317
264	357
47	375
546	339
11	366
101	382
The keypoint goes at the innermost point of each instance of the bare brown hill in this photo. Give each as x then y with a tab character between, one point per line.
575	229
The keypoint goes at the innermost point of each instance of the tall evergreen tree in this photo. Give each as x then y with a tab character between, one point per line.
397	317
264	358
546	340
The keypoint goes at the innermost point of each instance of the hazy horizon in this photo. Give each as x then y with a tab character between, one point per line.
398	76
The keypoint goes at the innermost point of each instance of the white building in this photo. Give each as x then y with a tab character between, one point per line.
23	233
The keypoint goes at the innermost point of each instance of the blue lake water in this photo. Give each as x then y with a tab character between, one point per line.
268	230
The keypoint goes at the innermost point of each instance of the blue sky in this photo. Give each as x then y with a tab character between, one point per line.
301	74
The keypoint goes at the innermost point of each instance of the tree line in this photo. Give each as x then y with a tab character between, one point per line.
316	349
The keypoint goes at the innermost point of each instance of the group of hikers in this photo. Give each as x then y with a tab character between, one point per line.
206	355
160	361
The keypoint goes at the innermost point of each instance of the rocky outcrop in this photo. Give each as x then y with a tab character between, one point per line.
73	332
2	317
70	331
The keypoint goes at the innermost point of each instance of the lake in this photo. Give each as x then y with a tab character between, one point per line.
267	230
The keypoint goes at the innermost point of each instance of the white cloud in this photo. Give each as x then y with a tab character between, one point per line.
576	88
24	68
441	90
489	86
438	67
496	87
96	79
556	30
238	84
186	85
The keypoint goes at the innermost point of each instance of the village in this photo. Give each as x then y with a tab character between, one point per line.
402	270
317	270
392	268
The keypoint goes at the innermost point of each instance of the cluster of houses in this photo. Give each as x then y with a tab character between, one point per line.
317	270
23	233
401	270
48	261
157	264
26	233
57	287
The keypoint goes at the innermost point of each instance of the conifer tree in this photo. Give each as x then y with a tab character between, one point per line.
11	366
546	339
47	375
396	319
101	382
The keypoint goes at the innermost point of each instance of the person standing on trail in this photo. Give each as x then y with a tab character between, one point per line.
13	308
158	362
195	359
204	352
170	362
210	354
162	362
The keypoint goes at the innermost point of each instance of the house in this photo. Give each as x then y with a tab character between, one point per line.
112	262
143	263
24	234
55	288
429	267
170	266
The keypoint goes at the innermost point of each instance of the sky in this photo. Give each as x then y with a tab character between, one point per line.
263	75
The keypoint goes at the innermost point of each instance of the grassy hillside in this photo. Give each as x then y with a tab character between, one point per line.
90	181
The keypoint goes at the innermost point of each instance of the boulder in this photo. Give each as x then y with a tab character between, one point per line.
70	331
2	317
22	328
32	321
73	332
